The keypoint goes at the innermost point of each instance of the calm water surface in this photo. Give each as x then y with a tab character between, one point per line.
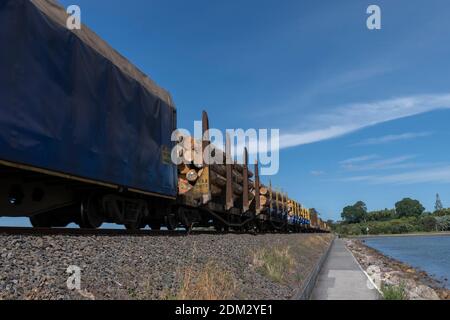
428	253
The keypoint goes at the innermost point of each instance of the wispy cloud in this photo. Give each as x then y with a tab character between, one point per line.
359	159
393	138
317	173
439	174
327	85
350	118
400	162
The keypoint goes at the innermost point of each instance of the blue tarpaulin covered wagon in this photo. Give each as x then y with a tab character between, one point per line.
71	105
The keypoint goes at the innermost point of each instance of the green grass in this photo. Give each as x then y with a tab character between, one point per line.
394	292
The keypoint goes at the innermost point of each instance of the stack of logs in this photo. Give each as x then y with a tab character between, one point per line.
272	198
218	180
192	169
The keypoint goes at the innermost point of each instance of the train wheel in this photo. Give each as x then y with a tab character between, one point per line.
135	226
90	217
57	218
220	227
41	221
155	226
171	222
259	225
132	226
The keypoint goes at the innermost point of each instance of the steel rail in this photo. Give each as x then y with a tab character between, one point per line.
108	232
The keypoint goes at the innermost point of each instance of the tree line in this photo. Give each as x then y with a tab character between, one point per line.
408	215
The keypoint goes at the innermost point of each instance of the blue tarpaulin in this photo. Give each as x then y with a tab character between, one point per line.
70	107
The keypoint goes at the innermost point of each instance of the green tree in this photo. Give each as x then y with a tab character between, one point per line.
381	215
442	212
428	223
438	206
355	213
408	208
443	223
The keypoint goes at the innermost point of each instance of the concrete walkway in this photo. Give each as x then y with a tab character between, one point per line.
341	278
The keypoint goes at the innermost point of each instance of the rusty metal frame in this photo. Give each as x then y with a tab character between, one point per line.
229	173
245	203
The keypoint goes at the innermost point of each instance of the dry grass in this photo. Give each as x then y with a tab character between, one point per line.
207	282
210	283
317	241
276	263
290	264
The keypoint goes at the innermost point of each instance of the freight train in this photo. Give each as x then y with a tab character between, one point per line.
86	138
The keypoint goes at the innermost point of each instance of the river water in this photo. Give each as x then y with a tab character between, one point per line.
427	253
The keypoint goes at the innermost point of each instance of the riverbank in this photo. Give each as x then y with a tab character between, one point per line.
413	234
387	272
197	267
426	223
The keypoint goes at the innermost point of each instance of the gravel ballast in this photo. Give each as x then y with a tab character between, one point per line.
139	267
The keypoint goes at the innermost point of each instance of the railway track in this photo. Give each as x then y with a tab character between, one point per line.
107	232
97	232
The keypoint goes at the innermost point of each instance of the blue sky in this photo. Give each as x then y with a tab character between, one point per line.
363	114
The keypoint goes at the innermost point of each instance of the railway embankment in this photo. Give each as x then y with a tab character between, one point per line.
395	279
230	266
